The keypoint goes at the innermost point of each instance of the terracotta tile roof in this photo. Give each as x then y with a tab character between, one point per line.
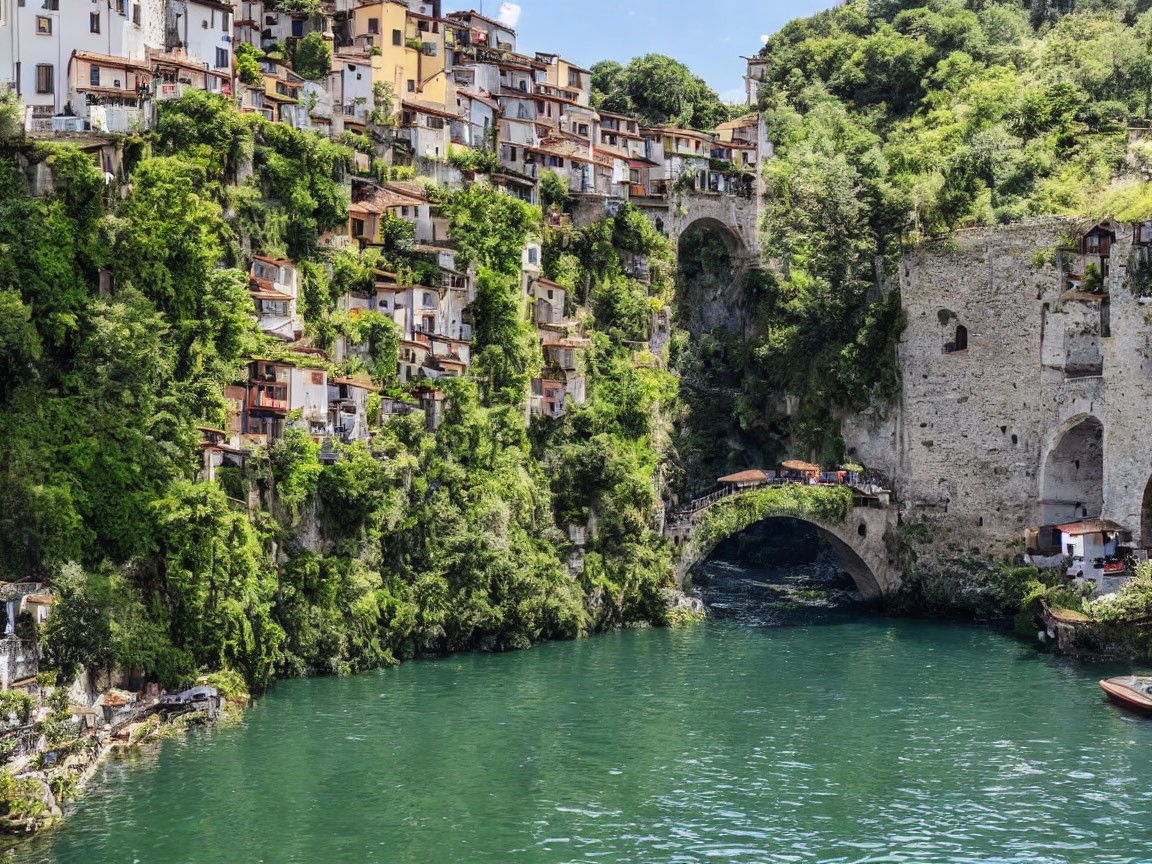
1090	526
432	110
281	262
111	60
481	97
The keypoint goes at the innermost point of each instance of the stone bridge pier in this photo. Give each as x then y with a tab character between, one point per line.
860	542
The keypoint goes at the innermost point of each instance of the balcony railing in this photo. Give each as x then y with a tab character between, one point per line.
263	400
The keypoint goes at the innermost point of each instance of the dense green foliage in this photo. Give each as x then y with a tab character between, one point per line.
312	56
247	69
421	542
659	91
609	459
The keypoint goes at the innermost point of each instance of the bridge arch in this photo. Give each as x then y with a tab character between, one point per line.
857	534
727	234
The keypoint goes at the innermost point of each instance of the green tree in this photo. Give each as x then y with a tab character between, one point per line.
553	191
11	116
247	69
503	345
312	57
659	90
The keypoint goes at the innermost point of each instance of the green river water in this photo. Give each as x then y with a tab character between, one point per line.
860	740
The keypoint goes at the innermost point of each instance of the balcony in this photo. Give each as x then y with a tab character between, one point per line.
260	400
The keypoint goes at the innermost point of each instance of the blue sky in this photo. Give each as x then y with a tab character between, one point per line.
708	37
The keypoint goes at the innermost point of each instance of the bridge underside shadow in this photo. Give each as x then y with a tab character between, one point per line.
859	543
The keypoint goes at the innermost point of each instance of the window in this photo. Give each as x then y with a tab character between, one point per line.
317	377
411	85
51	5
44	82
94	76
93	22
512	154
533	258
435	122
298	27
224	22
634	175
573	78
43	25
221	58
582	129
136	13
397	36
959	341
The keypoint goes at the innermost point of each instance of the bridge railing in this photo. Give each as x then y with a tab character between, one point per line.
688	512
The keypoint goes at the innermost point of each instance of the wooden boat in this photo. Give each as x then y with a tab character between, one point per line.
1131	691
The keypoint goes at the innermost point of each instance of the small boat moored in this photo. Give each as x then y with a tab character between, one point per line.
1132	691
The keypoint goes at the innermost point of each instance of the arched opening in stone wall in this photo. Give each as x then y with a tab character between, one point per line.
783	567
1072	483
959	341
705	251
709	255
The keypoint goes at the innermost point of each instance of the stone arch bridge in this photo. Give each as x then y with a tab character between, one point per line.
735	218
860	538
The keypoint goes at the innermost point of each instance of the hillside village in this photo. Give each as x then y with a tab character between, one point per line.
425	95
427	104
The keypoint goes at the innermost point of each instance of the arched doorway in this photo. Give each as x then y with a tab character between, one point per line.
1072	483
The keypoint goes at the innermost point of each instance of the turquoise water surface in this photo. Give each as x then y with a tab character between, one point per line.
862	740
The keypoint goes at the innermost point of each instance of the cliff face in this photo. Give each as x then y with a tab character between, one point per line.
1026	399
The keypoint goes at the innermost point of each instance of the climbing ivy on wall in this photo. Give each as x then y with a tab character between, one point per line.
828	504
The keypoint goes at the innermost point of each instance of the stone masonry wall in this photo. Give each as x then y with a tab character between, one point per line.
969	441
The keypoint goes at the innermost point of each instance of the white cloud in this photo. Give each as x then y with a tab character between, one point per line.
509	14
736	94
764	38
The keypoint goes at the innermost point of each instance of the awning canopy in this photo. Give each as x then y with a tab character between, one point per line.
797	465
752	476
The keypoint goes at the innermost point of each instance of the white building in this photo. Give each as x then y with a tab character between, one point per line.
350	83
203	28
38	38
274	290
